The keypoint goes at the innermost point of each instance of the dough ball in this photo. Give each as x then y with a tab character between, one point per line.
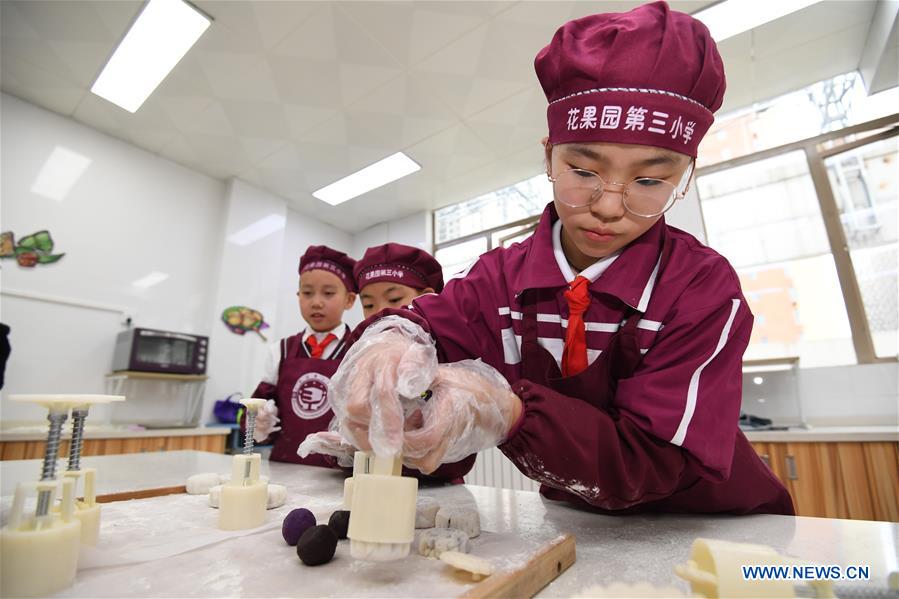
199	484
340	523
426	512
296	523
215	496
463	518
317	545
434	541
277	495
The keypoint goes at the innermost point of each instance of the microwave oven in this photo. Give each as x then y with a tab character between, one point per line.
151	350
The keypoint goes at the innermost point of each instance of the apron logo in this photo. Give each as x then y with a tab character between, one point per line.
309	399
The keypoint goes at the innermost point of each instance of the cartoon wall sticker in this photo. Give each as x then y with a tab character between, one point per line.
31	250
240	320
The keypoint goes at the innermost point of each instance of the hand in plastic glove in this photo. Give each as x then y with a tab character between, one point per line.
266	421
380	380
328	443
471	408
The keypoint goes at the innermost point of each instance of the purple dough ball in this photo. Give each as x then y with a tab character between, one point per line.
295	524
317	545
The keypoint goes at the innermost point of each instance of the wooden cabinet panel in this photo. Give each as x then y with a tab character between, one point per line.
882	462
814	480
856	480
28	450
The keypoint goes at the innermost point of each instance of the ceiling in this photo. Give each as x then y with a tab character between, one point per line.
291	96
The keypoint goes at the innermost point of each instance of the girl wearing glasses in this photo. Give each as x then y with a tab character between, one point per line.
609	343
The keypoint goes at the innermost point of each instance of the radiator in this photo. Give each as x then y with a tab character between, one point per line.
493	469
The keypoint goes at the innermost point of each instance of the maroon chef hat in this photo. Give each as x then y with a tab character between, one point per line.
321	257
401	264
650	76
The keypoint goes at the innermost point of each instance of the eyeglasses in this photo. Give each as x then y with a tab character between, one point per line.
644	197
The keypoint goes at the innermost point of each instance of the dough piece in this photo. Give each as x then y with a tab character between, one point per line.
215	496
340	523
317	545
426	512
478	567
378	552
295	524
277	495
199	484
463	518
434	541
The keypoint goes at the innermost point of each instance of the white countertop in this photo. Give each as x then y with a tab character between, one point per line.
124	472
38	432
827	434
626	549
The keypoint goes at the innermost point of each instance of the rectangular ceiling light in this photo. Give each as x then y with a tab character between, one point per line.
732	17
158	39
261	228
151	279
60	173
371	177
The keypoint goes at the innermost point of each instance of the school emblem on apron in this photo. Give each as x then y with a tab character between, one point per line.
309	399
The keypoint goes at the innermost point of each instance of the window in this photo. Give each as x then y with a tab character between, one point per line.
466	230
521	200
864	183
811	229
764	217
826	106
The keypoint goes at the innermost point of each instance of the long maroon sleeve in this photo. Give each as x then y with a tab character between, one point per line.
606	460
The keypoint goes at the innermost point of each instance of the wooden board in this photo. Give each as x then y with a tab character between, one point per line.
143	494
551	560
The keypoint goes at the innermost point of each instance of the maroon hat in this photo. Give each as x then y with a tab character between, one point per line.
321	257
401	264
650	76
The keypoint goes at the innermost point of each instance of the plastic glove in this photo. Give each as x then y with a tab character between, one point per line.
471	408
380	381
266	421
328	443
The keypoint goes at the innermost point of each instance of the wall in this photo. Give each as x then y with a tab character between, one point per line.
247	272
863	394
129	214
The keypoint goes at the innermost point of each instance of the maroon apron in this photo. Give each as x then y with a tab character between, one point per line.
302	397
751	488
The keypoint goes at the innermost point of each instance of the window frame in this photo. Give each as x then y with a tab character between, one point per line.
816	152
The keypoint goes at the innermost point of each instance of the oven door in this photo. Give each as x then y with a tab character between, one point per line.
161	351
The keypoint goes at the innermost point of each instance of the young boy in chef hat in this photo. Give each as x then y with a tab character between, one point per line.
299	367
609	342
